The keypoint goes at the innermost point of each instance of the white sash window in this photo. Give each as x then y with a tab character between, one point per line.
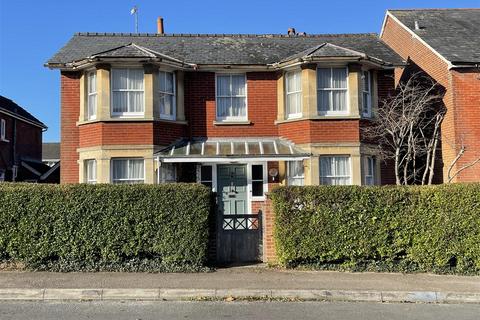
335	170
91	95
231	97
332	91
91	171
295	173
294	94
366	94
166	95
127	92
128	171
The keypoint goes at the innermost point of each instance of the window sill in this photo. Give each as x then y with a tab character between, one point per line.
115	119
171	121
4	140
232	123
258	199
322	117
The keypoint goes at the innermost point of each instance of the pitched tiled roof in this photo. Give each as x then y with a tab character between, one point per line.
50	150
221	49
453	33
11	107
325	50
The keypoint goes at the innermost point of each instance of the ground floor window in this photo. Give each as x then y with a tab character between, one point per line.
168	173
295	173
90	171
257	180
335	170
369	165
128	170
206	176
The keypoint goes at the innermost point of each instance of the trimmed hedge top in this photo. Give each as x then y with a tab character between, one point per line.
105	227
434	228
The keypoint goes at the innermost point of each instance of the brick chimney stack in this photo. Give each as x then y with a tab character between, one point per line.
160	25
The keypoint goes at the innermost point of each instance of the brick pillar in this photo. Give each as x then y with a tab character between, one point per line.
70	112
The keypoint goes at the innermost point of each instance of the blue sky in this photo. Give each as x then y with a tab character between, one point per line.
32	31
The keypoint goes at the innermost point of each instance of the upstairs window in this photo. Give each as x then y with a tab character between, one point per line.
128	170
127	92
91	95
91	171
231	97
166	95
3	130
294	94
335	170
369	165
295	173
332	91
366	94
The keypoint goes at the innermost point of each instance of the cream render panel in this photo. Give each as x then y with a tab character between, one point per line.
104	154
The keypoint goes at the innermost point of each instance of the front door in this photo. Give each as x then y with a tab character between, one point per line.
238	232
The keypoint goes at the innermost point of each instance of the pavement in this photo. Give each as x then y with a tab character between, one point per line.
209	310
257	282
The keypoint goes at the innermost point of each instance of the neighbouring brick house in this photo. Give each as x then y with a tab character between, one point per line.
445	44
20	143
239	113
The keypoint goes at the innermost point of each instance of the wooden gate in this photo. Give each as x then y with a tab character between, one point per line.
238	232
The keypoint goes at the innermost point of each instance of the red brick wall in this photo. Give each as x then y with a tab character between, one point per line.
306	131
466	88
461	97
165	133
201	110
69	132
28	142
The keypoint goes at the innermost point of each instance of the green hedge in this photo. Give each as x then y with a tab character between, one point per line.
434	229
105	227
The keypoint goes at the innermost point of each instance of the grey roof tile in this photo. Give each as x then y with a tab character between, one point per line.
221	49
453	33
51	150
12	107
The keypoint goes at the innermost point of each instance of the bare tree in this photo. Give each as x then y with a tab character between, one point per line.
407	129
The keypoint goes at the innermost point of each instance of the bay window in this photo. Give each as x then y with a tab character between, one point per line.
128	170
91	95
293	94
295	173
127	92
366	94
231	97
335	170
166	95
332	91
90	171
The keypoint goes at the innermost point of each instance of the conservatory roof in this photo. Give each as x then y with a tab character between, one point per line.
231	149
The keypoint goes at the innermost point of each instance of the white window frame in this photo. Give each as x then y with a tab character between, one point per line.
161	173
334	175
250	181
94	180
126	179
347	94
127	113
92	95
373	176
295	74
214	174
160	93
3	130
368	92
294	178
231	118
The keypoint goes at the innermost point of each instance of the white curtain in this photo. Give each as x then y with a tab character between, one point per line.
231	96
128	171
92	94
166	94
295	173
136	171
294	92
119	170
332	89
91	168
127	88
335	170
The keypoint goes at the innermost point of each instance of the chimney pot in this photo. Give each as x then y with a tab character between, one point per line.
417	25
291	31
160	25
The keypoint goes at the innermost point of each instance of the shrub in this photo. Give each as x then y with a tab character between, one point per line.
434	228
105	227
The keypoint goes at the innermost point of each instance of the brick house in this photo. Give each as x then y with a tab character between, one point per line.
239	113
20	143
445	44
